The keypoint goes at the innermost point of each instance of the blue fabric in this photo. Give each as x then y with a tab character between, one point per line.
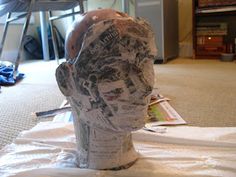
6	75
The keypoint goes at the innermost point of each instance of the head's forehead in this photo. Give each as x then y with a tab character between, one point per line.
115	45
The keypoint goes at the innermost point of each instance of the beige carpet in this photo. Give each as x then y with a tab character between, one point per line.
36	92
202	91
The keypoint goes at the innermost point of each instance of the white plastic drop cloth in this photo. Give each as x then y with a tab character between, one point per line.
48	150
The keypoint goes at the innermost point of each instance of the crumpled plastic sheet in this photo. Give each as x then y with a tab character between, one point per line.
48	150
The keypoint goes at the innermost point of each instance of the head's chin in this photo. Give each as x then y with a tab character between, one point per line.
130	128
128	124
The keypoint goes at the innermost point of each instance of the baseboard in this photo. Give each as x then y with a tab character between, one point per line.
10	55
185	49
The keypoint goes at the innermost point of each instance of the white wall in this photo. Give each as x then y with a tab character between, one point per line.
95	4
63	24
185	26
185	21
13	38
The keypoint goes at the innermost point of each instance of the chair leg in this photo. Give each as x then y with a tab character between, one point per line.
44	35
53	38
4	33
23	34
73	16
81	6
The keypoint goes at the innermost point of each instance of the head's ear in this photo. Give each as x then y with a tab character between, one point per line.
64	79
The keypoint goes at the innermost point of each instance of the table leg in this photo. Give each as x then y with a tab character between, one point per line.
44	35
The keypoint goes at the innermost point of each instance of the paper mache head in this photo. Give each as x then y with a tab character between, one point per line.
108	76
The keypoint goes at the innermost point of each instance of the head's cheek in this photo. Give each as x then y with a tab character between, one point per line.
141	80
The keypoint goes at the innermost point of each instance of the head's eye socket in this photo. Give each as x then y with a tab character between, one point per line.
93	78
113	94
114	72
138	69
109	74
113	91
143	77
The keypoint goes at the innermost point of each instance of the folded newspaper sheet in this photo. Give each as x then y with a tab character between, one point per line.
160	112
